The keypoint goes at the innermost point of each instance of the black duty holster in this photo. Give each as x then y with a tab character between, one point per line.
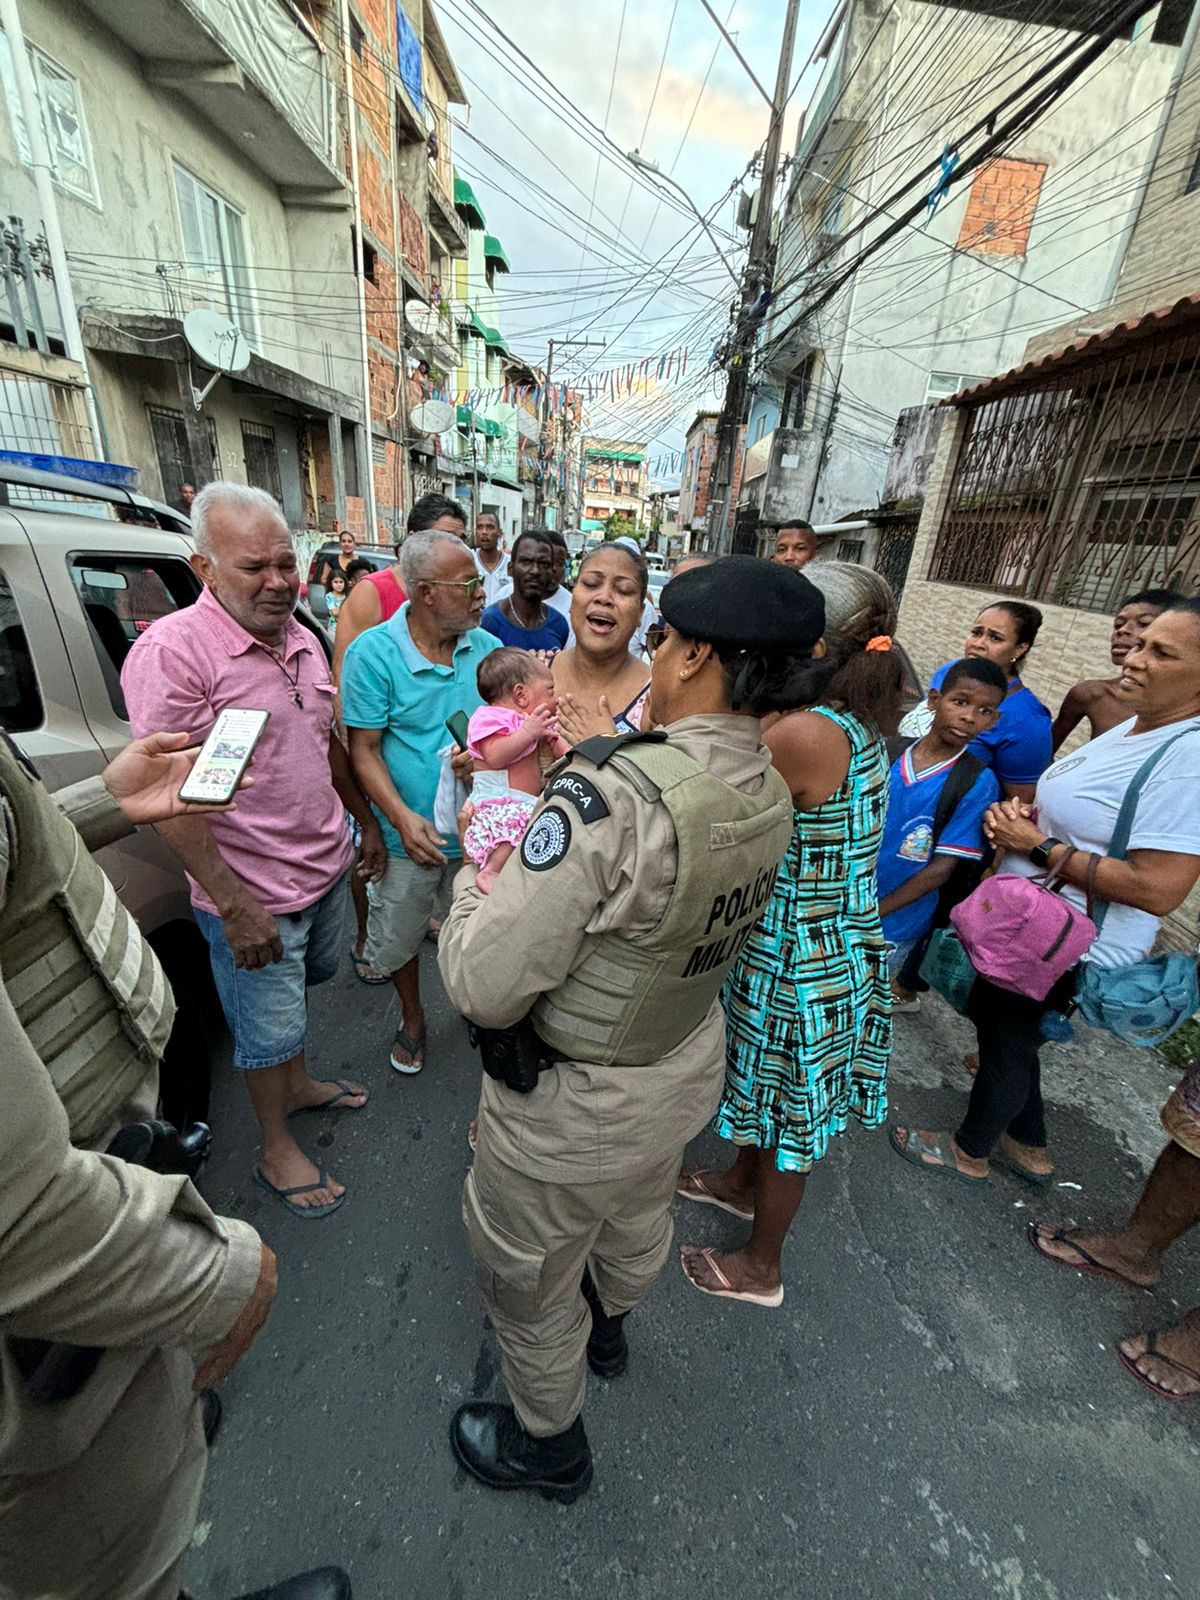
55	1372
515	1056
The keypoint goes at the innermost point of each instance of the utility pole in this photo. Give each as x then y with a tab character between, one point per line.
733	412
539	487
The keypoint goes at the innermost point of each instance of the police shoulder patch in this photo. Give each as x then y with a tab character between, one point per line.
582	793
547	841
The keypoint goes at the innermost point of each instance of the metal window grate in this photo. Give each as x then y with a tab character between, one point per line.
261	458
1084	487
175	464
43	417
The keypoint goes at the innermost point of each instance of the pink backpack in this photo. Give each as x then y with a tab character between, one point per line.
1021	935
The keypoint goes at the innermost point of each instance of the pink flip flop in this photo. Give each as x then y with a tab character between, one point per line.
704	1196
708	1254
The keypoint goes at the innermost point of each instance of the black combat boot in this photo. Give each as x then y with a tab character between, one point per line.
607	1350
492	1445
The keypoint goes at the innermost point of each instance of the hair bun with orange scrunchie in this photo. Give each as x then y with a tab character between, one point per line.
881	641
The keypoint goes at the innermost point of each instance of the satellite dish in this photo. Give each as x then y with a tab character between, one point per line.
423	319
433	416
219	343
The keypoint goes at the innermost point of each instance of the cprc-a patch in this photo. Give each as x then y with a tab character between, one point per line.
547	841
582	794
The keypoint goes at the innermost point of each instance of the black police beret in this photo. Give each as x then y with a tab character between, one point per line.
746	602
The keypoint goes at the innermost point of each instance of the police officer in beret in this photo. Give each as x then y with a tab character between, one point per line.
591	974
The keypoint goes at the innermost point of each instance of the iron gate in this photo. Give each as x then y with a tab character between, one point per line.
1084	486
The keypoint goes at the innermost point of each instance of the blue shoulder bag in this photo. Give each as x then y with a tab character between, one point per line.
1145	1002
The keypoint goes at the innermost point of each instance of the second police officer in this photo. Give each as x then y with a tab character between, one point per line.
592	972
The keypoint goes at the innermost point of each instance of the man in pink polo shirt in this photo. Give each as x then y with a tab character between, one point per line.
269	876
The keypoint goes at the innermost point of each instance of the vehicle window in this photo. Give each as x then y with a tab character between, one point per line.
20	697
121	596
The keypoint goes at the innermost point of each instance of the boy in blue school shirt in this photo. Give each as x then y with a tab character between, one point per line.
922	840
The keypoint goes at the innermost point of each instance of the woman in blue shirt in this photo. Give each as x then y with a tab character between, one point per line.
1017	746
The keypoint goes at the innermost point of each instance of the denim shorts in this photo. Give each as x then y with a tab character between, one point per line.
897	956
266	1009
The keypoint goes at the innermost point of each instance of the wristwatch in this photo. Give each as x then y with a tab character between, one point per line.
1040	854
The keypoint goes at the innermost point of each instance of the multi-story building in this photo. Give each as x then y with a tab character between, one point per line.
1036	230
699	457
408	230
695	480
614	480
195	158
267	168
495	419
1073	478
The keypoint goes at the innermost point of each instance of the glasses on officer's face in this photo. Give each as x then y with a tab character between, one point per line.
471	585
655	636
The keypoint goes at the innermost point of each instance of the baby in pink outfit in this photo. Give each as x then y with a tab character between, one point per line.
506	736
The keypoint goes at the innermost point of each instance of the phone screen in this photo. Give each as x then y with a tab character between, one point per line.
457	724
224	757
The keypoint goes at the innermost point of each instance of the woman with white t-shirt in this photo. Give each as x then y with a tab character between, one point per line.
1073	816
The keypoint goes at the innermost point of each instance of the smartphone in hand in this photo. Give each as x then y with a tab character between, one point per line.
224	757
457	728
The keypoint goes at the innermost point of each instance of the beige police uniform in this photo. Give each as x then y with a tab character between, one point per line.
583	1169
98	1493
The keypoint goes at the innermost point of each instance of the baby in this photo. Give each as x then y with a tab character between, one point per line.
506	736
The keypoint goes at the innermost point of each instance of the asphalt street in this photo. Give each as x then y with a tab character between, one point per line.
933	1410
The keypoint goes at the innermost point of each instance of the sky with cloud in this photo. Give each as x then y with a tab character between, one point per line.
596	251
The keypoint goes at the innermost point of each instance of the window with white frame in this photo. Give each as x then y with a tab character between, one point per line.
214	250
62	120
943	384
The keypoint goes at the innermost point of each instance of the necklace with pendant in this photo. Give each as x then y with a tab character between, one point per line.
538	622
293	681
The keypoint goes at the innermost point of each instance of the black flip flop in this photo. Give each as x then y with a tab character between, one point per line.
309	1213
1035	1180
362	966
1087	1263
345	1092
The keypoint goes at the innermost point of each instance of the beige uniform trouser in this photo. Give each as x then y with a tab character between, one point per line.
114	1523
531	1241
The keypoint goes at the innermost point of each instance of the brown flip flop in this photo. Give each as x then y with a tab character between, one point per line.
727	1291
1088	1263
704	1196
1147	1382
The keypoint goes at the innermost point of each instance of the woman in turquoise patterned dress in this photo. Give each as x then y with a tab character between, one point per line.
807	1007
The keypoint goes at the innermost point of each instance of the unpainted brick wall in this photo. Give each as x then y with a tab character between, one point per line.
1000	207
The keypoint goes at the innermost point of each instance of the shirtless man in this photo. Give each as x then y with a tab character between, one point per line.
1096	698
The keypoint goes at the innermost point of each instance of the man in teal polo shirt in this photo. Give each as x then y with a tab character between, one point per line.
400	683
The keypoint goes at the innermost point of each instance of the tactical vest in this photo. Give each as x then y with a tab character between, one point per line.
87	988
636	996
